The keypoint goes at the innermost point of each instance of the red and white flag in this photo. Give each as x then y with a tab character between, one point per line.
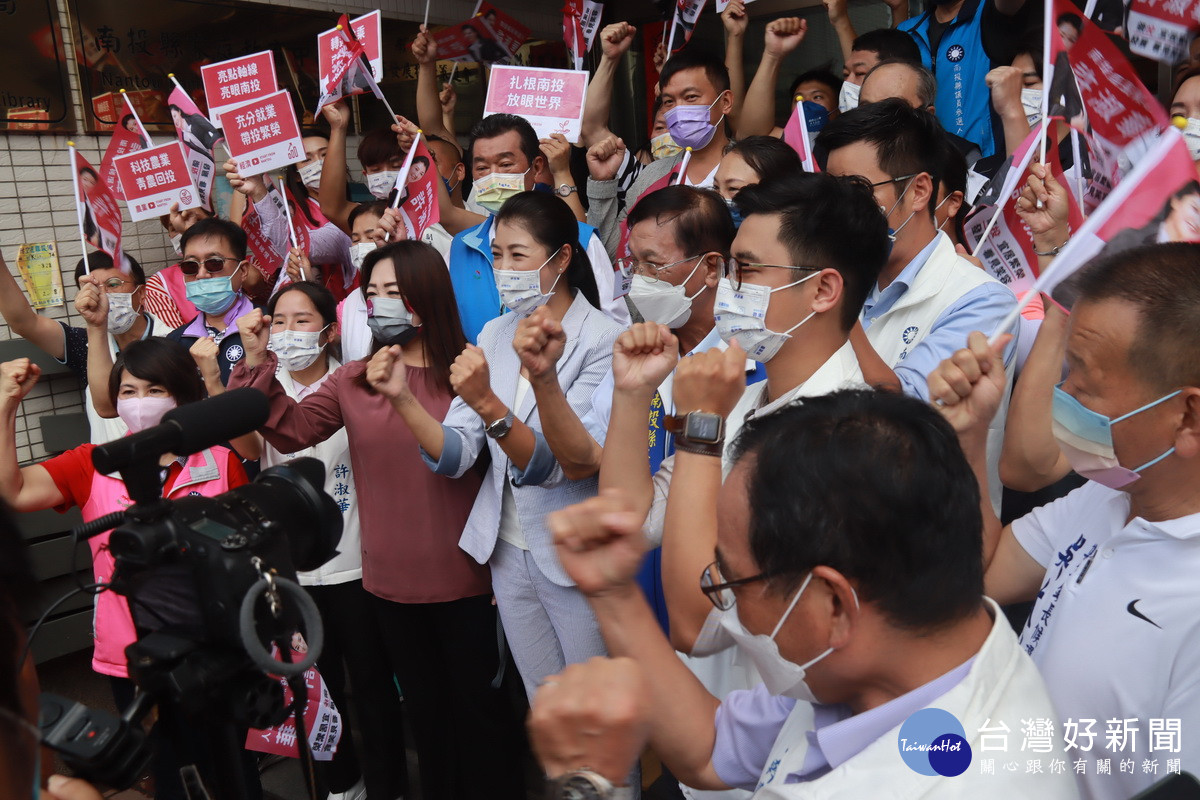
1162	29
349	70
683	24
229	84
581	20
156	179
796	134
123	142
199	136
97	210
416	190
322	721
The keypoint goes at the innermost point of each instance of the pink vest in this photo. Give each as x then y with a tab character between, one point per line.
112	625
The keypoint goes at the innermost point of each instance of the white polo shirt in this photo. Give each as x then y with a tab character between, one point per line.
1115	631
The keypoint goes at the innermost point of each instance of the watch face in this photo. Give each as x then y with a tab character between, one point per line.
580	787
703	427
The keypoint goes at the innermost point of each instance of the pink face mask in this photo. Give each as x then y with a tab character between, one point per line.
140	413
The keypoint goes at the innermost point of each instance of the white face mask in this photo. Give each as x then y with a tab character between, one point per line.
1031	100
380	184
781	677
848	96
121	313
140	413
1191	135
310	174
176	244
493	189
521	289
359	251
663	302
296	350
741	317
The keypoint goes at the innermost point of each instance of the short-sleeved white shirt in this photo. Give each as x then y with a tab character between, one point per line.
1115	630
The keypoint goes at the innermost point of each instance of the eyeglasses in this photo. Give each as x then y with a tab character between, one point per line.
720	591
894	180
212	265
648	269
734	269
113	284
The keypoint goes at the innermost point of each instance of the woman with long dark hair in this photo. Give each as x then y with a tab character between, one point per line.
546	281
431	603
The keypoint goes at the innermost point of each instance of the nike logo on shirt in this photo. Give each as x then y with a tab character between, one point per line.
1131	608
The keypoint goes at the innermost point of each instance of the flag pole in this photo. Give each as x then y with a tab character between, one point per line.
402	177
683	166
87	269
391	111
136	118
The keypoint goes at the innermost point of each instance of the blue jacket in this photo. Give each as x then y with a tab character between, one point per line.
471	274
964	103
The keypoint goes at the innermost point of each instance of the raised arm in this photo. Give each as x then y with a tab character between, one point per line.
839	18
1005	84
204	352
557	151
735	20
92	304
454	219
758	113
30	488
429	103
615	40
334	174
42	332
711	382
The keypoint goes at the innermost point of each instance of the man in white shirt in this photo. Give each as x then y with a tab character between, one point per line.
1111	567
849	570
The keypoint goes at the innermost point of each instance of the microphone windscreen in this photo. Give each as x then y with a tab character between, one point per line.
218	419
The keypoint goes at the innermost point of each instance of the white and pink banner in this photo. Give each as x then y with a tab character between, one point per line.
263	135
229	84
550	99
322	721
153	180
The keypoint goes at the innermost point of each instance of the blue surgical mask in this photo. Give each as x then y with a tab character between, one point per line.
1085	438
450	187
213	295
735	212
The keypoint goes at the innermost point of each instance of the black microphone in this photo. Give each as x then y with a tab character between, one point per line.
188	429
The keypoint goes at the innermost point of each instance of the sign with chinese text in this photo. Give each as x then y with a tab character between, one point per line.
97	208
38	263
331	47
264	134
551	99
488	37
153	180
229	84
419	196
322	721
1162	29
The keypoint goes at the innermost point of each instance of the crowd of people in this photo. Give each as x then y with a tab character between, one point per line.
700	451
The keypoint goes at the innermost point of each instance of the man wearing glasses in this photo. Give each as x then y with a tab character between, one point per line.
112	304
214	265
854	586
928	298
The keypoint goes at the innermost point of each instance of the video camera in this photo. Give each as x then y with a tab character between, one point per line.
209	580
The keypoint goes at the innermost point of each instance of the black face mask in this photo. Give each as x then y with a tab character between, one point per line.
401	338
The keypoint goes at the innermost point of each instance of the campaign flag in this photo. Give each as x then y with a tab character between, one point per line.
123	142
723	4
1095	89
265	255
1158	201
348	70
807	120
418	189
97	210
683	24
155	179
264	134
489	37
581	19
1162	29
1007	252
550	99
322	721
332	49
199	137
229	84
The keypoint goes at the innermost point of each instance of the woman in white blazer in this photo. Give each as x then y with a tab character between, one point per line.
537	263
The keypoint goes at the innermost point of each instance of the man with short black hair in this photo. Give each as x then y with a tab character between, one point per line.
1111	568
694	90
847	570
504	159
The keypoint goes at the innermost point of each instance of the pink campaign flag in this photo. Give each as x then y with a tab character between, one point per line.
199	137
97	210
797	134
349	71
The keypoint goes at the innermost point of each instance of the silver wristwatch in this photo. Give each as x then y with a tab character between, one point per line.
583	784
501	427
565	190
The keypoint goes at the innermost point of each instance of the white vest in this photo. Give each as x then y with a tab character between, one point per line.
940	282
1002	687
102	429
334	453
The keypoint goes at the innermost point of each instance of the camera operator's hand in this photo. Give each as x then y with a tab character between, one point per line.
92	302
387	374
255	329
592	715
600	543
17	378
60	787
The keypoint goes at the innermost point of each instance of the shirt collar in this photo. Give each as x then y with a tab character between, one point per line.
888	297
199	327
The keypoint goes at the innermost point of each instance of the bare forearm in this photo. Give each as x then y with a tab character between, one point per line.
99	368
974	445
454	219
598	106
1016	129
574	448
1031	458
899	14
758	111
572	200
42	332
689	541
520	442
429	106
10	472
846	35
735	63
332	194
683	729
623	463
